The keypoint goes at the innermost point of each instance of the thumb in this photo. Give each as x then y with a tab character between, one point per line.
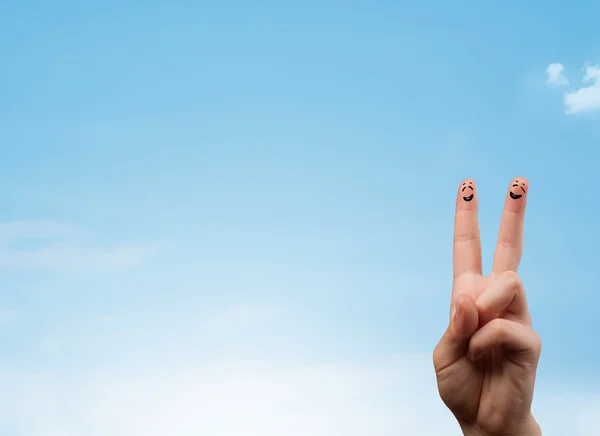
455	342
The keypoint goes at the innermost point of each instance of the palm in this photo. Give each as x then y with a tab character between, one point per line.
484	392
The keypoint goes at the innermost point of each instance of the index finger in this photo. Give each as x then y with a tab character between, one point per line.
467	246
510	236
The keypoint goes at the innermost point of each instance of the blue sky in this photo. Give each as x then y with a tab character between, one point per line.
249	207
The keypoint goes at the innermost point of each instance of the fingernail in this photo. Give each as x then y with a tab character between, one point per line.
457	313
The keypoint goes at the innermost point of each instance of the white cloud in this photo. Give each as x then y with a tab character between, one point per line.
387	397
586	98
390	396
52	245
238	397
555	75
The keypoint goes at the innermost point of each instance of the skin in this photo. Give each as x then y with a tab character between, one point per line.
487	359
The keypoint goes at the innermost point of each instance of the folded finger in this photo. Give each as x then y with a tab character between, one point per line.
505	295
522	343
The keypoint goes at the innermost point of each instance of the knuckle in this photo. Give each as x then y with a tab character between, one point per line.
465	237
536	344
506	242
511	278
513	282
500	329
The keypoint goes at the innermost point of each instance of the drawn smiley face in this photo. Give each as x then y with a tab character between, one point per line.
517	190
467	191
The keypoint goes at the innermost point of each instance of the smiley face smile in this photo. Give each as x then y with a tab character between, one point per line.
515	196
519	186
467	197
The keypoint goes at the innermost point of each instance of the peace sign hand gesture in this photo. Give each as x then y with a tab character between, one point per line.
487	359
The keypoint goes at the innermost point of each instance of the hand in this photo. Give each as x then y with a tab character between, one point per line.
487	359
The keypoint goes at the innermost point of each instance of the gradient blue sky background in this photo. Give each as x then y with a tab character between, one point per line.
235	218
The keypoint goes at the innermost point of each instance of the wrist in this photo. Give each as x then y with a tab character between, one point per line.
530	428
